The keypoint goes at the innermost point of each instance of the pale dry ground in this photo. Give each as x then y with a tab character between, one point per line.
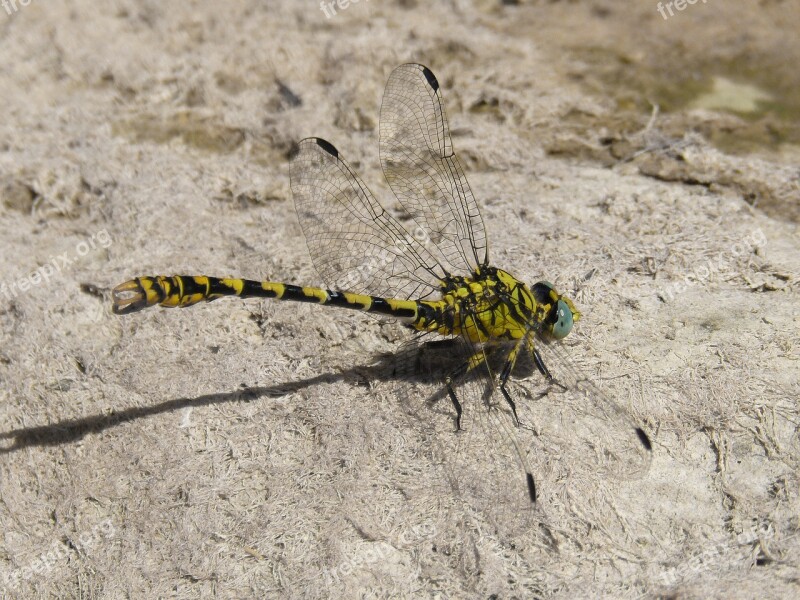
240	449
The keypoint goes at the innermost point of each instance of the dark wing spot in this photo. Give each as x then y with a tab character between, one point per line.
430	77
644	439
531	487
327	146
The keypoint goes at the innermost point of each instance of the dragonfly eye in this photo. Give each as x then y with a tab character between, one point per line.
560	320
542	292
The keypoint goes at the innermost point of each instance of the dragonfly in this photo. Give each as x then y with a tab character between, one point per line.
426	264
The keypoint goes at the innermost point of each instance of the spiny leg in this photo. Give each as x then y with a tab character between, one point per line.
537	358
511	360
462	370
477	359
456	403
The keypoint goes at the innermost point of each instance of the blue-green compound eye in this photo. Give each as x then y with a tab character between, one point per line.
563	320
541	291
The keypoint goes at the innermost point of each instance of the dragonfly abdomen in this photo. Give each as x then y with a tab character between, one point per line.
187	290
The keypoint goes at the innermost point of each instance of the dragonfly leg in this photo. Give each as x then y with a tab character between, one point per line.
508	398
479	358
504	375
473	361
537	358
454	400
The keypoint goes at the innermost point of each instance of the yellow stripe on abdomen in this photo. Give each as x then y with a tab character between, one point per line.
186	290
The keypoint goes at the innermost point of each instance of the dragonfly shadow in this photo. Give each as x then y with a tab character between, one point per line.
425	363
431	362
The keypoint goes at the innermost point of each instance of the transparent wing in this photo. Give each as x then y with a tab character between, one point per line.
354	243
485	463
582	423
423	171
573	440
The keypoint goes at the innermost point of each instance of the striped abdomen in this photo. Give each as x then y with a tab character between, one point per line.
183	290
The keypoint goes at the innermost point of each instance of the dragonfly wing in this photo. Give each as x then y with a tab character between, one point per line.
354	243
485	463
585	423
423	170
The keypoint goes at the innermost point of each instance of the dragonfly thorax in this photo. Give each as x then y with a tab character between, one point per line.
493	305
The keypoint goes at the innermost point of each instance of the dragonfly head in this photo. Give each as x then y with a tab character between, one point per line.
557	312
